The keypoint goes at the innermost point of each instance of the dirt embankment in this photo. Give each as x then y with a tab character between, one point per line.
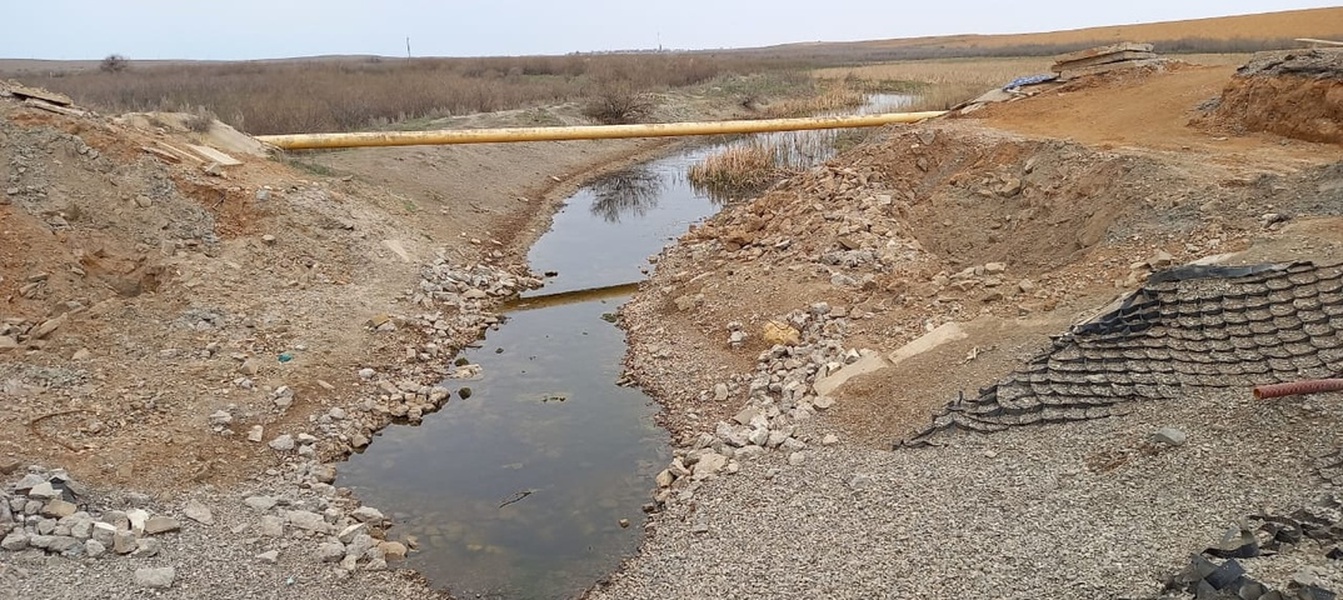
1296	94
899	233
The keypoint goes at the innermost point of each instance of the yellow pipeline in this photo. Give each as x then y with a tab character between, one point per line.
307	141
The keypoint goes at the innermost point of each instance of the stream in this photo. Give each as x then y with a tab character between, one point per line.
519	491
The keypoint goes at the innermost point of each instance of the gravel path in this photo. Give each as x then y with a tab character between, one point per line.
1060	511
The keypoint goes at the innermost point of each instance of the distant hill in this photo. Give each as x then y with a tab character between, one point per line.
1239	33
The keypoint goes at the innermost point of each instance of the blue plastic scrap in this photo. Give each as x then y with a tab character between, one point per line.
1029	80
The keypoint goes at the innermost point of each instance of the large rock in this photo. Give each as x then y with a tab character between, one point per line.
261	503
94	548
1170	436
283	443
15	541
43	491
123	542
393	550
367	514
709	464
156	578
199	513
346	535
331	551
310	521
103	533
271	526
780	334
161	524
58	508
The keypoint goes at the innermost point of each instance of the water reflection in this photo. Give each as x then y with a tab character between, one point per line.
631	192
588	461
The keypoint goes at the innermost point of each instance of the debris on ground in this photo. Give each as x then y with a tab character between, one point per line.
1105	59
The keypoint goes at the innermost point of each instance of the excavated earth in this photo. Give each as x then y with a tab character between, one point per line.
888	351
1295	93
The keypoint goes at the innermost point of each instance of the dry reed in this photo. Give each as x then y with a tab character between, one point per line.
737	169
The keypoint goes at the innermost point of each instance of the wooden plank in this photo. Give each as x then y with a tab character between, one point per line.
213	155
162	154
52	97
180	153
1103	59
1103	50
1109	67
60	110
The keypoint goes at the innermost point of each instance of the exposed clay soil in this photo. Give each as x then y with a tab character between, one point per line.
1296	94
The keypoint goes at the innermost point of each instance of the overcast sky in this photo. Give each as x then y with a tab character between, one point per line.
243	29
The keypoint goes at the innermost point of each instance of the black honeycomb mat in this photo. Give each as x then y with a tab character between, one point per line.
1192	326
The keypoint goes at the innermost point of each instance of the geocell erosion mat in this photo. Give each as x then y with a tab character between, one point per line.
1192	326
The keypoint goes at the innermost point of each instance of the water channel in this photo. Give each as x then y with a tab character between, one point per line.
519	490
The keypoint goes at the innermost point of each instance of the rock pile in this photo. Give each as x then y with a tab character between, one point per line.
779	396
50	512
850	224
47	511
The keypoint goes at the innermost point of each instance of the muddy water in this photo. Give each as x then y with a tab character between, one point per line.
546	427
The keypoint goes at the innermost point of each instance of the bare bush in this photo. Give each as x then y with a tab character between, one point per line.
619	102
114	63
200	120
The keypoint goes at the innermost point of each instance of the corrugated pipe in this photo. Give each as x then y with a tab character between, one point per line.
1308	386
310	141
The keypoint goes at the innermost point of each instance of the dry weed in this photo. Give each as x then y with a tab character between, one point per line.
737	169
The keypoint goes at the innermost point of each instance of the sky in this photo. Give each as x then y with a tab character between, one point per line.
249	29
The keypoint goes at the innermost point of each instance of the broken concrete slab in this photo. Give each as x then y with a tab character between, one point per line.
948	332
870	361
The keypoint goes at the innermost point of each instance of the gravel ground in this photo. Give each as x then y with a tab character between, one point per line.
1060	511
211	561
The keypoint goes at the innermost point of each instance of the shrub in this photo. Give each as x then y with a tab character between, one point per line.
200	120
114	63
619	102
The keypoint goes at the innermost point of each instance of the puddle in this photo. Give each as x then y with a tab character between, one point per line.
546	416
518	490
